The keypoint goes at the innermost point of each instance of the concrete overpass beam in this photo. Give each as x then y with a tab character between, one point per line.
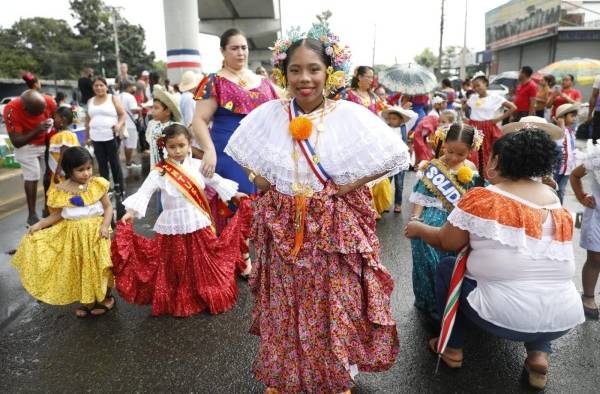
251	26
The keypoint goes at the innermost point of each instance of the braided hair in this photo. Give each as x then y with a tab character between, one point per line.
464	133
169	132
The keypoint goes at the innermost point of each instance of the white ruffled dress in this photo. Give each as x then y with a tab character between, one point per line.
590	226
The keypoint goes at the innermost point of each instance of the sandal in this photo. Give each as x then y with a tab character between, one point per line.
592	313
537	375
87	311
101	307
397	209
449	361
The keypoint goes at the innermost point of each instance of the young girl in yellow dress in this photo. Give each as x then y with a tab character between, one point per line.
65	258
59	142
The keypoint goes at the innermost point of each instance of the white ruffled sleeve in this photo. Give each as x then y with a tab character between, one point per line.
225	188
138	202
354	144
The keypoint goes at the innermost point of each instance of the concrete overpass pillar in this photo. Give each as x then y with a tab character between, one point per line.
182	35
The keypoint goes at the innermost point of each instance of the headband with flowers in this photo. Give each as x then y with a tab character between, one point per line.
334	49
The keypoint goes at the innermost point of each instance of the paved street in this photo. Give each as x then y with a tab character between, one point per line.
46	349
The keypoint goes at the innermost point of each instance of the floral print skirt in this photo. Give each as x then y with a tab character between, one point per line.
326	313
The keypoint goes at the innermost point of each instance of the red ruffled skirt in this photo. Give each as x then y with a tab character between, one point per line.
491	133
182	274
327	312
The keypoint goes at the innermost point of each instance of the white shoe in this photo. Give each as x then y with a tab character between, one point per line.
133	165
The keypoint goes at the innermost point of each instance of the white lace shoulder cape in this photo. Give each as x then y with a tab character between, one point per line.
354	144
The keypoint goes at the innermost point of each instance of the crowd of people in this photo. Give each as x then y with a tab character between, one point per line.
299	167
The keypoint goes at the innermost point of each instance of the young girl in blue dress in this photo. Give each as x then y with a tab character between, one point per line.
432	208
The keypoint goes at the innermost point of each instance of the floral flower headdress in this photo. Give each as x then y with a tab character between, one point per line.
337	52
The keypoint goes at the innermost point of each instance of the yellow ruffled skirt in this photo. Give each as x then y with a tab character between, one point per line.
382	195
68	262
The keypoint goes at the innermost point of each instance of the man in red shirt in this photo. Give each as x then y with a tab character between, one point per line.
525	94
28	119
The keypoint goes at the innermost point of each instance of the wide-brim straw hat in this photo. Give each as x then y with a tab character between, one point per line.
189	80
405	114
167	99
564	109
555	132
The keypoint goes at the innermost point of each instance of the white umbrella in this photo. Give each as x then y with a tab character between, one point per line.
409	78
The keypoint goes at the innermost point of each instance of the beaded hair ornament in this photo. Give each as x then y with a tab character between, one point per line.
334	49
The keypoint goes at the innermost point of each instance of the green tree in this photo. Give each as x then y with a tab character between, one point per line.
46	46
94	22
426	58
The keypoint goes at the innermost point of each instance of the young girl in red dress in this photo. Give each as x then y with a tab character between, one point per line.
186	268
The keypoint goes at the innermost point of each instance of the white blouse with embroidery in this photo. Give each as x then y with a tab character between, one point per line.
179	216
354	144
523	283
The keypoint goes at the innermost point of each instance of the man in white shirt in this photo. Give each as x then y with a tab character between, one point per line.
189	82
132	112
187	104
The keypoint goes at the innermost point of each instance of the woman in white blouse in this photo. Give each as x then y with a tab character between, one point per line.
105	117
518	282
487	110
185	269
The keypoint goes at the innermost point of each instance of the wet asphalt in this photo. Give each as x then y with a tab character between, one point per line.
46	349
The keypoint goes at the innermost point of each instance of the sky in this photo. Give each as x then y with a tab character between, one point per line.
402	28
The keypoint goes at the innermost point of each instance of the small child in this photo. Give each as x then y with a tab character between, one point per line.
566	116
432	208
401	121
425	131
59	142
590	227
186	268
65	261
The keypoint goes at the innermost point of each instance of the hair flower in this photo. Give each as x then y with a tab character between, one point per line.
339	54
477	140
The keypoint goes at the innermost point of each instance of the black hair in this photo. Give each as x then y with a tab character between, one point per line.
101	80
125	84
227	34
173	131
359	72
74	157
464	133
165	107
527	153
446	83
60	96
527	71
308	43
483	79
571	76
550	80
67	114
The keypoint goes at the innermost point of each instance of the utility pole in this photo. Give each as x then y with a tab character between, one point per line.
374	40
463	53
116	36
441	40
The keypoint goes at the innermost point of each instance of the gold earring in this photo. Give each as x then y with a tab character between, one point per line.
489	170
